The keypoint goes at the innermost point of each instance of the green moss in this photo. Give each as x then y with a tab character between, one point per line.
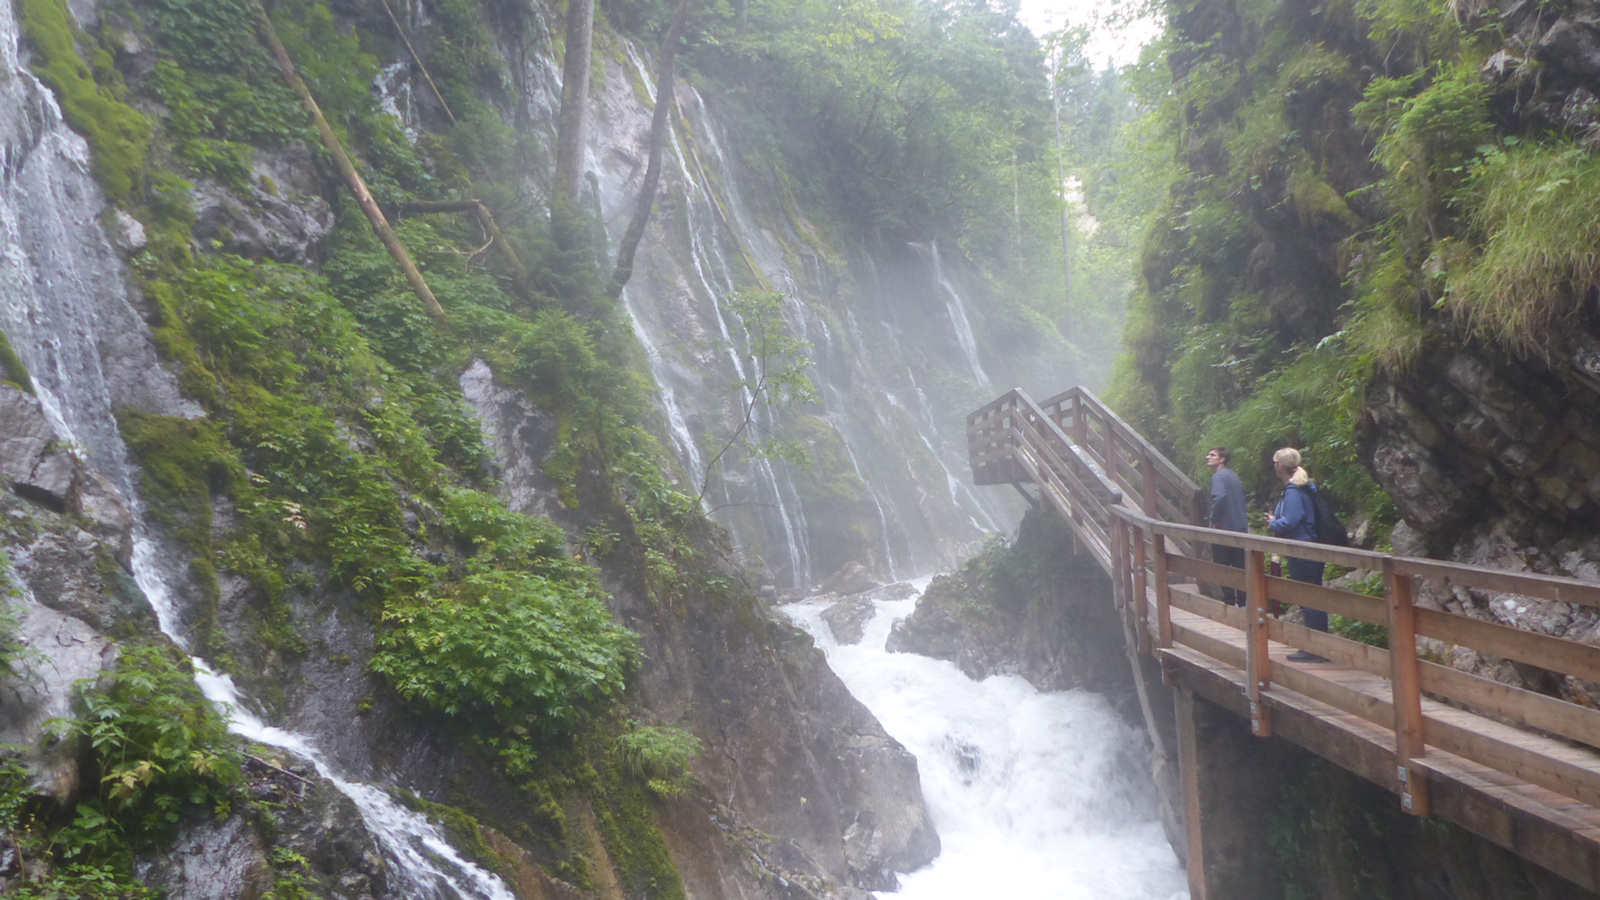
180	459
637	850
462	828
12	370
1315	199
118	134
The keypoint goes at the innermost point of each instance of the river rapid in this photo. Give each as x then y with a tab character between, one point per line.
1036	796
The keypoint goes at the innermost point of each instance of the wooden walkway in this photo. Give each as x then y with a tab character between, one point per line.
1519	768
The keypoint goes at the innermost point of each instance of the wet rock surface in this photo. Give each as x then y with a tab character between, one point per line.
792	755
852	578
1047	619
59	651
298	830
281	215
847	618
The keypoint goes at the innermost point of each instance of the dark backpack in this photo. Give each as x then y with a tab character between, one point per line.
1329	529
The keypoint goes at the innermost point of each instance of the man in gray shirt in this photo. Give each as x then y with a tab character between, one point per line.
1227	512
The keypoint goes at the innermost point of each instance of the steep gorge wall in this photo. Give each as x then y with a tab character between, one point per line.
782	805
1343	268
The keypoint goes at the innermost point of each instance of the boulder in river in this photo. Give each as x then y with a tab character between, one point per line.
852	578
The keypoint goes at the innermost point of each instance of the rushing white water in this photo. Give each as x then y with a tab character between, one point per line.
65	310
431	869
1037	796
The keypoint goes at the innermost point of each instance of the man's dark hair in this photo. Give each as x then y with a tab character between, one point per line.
1222	452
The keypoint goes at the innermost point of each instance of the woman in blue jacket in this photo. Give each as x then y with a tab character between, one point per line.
1295	518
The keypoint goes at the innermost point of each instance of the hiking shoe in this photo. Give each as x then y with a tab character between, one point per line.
1303	656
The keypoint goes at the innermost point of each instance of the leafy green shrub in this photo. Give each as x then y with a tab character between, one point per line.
85	882
159	749
1310	405
660	755
531	654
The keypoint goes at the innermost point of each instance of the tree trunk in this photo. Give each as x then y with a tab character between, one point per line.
347	169
572	136
660	124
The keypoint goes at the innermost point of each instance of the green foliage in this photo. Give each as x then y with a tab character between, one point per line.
1424	141
774	363
1534	213
12	650
12	369
159	749
84	882
1310	405
117	133
638	851
221	89
293	877
661	756
533	655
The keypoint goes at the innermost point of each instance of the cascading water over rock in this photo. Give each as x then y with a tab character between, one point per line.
907	504
1035	795
65	309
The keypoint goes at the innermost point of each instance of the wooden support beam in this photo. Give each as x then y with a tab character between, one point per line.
1401	590
1119	537
1258	665
1158	552
1189	777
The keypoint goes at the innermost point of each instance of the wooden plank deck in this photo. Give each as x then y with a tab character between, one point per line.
1519	769
1312	703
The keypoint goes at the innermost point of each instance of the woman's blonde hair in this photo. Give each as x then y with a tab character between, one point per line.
1289	458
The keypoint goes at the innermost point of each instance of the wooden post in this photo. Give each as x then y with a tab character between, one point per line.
1189	773
1119	541
1158	554
1408	740
1110	442
1140	595
1141	581
1080	428
1164	593
1257	665
1152	503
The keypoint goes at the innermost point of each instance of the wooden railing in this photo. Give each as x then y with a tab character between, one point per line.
1500	726
1082	457
1442	723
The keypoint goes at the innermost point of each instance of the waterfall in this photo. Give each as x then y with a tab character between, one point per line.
956	308
711	234
1043	796
65	309
883	521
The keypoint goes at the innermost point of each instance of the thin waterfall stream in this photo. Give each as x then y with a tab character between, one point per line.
62	304
1037	795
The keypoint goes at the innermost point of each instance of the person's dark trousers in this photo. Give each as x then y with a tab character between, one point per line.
1309	571
1229	556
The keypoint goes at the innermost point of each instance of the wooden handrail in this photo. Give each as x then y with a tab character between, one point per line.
1138	514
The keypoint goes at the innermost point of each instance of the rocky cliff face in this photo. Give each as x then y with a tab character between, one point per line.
1032	609
1323	277
798	792
897	340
